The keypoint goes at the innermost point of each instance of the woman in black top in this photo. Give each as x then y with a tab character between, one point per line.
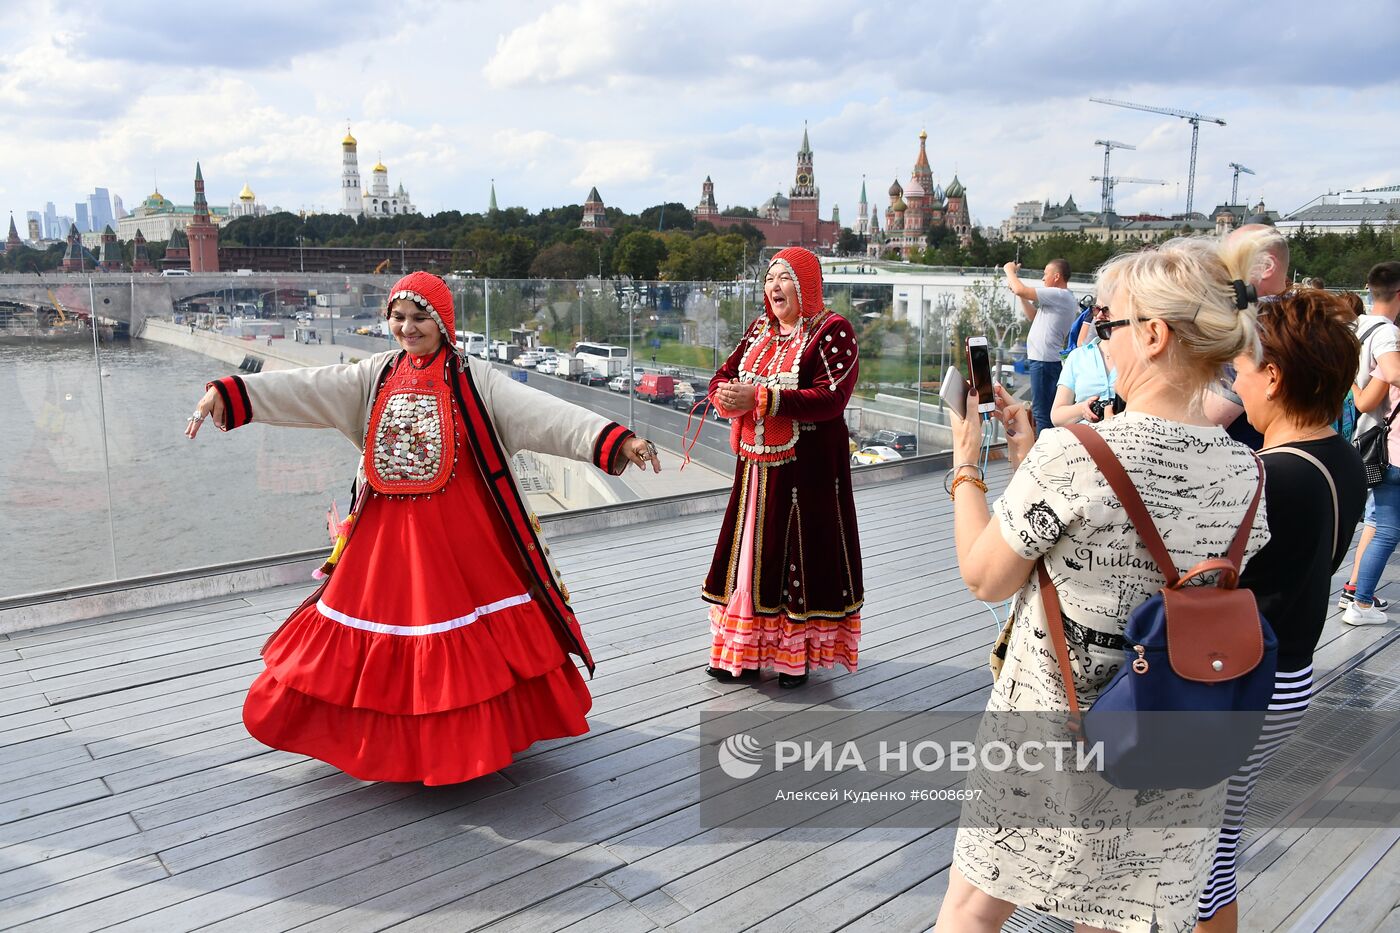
1292	395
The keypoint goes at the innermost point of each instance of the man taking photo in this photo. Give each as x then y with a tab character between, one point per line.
1051	308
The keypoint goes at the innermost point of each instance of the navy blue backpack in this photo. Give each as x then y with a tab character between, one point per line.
1188	704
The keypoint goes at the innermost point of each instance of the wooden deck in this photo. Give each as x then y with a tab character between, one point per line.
132	799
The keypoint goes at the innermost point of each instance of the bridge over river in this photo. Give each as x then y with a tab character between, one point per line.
124	301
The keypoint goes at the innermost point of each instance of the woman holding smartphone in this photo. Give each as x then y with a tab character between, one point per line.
1177	314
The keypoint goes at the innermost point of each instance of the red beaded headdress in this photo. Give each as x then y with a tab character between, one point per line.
432	295
806	269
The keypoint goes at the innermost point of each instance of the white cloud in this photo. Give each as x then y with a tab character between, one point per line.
644	98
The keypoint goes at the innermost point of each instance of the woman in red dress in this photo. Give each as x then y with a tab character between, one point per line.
786	577
438	646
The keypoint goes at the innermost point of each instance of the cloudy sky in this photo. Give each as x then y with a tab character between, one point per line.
644	98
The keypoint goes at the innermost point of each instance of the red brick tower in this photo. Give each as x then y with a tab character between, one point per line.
707	208
140	256
73	260
12	242
805	197
202	232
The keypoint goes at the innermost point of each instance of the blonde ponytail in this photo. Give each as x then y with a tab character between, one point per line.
1188	282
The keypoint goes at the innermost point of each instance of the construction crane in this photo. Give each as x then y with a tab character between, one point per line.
1106	195
1112	181
1235	184
1195	119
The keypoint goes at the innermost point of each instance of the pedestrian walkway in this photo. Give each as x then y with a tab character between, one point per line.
131	798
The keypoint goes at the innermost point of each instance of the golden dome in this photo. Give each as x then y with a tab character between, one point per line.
348	140
923	134
379	167
246	194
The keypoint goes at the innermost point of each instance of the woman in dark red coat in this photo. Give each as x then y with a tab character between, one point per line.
786	577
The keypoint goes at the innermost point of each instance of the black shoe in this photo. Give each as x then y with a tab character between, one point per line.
719	673
788	681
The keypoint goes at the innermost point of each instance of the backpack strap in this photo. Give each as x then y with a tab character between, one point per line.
1128	497
1331	484
1237	546
1055	622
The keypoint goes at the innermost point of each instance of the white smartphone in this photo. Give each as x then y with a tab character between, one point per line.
954	391
979	361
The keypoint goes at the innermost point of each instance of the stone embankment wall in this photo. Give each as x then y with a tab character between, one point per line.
283	354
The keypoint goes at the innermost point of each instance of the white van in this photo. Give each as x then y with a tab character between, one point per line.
471	343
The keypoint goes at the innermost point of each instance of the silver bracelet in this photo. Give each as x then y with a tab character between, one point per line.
948	477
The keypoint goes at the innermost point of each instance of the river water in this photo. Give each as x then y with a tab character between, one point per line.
86	498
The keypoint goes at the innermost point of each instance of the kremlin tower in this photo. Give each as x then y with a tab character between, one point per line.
203	234
351	200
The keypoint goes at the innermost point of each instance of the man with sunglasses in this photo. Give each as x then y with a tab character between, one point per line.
1052	309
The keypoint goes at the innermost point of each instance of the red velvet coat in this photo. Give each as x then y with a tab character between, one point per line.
806	547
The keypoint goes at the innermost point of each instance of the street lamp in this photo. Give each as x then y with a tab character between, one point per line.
403	264
301	251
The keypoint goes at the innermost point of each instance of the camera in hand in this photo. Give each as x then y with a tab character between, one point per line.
1111	403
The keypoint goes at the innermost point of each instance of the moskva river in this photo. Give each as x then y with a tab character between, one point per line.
98	482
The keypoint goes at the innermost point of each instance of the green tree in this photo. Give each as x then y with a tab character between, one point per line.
640	255
564	261
672	215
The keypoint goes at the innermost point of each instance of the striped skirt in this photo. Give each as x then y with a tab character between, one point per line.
1292	691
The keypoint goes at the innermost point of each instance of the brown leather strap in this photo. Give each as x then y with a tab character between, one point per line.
1127	494
1228	570
1236	552
1055	622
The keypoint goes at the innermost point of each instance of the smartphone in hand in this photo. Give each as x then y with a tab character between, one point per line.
980	362
954	391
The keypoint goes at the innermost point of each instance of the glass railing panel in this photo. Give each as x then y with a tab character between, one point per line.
55	495
97	481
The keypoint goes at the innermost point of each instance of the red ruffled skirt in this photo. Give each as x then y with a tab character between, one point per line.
425	657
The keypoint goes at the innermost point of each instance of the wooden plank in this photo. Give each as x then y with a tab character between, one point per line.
24	771
44	801
299	891
508	895
44	824
574	905
99	682
660	908
85	890
620	918
1372	902
71	855
153	693
97	658
1301	871
26	734
176	614
134	636
853	895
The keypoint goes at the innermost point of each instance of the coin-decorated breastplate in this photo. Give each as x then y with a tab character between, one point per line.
411	442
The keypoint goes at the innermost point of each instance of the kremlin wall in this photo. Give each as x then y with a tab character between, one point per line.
191	233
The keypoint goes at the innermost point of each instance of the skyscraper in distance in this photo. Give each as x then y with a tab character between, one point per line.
80	211
100	209
118	210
